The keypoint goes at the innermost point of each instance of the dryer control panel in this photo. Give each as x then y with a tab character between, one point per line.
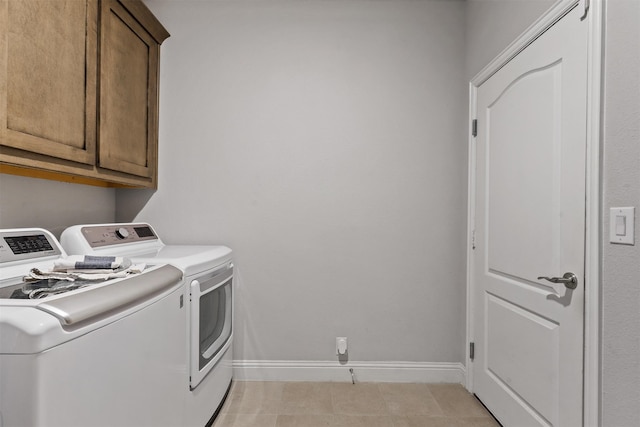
101	235
106	235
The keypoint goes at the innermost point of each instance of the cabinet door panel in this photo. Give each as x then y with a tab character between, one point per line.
128	94
48	52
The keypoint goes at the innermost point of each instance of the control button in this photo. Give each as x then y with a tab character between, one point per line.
122	233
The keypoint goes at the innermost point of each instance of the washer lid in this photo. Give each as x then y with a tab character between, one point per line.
98	301
29	326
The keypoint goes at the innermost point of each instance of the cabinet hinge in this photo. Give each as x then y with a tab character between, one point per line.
474	127
472	350
473	240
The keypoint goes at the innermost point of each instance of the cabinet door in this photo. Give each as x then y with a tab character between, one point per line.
128	94
48	57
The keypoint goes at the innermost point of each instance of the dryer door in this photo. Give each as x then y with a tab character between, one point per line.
211	321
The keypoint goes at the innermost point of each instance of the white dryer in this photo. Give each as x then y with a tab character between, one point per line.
208	284
98	355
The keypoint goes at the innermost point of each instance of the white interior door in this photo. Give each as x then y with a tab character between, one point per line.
530	222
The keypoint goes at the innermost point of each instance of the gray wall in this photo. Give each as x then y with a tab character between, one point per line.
492	25
621	182
32	202
325	142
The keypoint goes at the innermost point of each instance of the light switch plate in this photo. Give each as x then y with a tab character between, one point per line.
621	225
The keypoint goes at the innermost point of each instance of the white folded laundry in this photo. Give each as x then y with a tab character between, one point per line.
36	274
90	262
58	288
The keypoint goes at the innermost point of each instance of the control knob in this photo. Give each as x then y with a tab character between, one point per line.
122	233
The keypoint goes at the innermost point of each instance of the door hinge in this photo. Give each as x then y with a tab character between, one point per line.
472	351
586	4
473	240
474	127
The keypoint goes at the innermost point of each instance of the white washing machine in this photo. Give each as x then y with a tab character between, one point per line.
208	287
99	355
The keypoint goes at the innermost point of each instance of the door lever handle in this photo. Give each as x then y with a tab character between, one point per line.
570	280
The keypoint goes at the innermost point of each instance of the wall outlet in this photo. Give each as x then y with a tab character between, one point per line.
341	345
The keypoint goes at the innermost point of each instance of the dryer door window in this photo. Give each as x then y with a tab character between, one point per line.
215	322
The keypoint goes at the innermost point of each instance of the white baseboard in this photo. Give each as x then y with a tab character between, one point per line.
327	371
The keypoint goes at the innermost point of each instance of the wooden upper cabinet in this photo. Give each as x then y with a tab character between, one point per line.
79	90
129	63
48	57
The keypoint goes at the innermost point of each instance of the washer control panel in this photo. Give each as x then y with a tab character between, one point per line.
116	234
23	244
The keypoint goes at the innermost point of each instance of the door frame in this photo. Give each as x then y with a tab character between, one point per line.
591	360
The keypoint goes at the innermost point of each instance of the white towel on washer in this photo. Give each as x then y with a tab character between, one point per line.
37	274
90	262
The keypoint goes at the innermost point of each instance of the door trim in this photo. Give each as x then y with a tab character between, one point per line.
591	393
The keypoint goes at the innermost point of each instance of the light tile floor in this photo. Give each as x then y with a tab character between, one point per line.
306	404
